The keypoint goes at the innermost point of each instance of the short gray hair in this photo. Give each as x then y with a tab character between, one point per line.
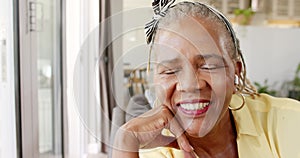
183	10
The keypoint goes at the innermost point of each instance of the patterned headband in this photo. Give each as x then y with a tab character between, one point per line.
160	8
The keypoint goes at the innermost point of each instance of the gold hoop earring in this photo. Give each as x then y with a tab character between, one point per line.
238	108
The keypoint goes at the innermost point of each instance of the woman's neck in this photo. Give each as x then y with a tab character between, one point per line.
220	142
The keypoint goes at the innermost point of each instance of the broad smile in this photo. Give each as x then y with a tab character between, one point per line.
194	108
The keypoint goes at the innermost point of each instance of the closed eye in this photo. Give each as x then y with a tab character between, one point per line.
209	67
169	72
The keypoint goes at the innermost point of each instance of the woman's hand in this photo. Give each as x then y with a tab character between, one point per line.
145	132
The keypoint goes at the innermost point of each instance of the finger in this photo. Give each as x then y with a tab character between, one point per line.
173	144
154	138
161	140
189	154
167	141
184	143
178	131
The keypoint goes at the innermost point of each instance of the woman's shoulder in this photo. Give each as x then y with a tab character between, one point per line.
267	102
271	121
265	107
264	103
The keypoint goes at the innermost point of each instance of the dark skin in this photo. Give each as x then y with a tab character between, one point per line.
207	146
187	80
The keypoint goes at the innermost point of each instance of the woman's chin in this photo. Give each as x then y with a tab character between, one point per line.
196	127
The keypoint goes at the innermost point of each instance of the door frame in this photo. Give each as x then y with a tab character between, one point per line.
28	87
27	97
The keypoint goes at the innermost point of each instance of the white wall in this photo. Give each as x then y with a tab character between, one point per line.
270	52
135	49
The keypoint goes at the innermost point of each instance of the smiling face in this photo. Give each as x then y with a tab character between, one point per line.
194	72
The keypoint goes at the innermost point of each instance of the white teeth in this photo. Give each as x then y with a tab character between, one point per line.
195	106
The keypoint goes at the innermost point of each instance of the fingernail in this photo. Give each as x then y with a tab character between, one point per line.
192	147
187	147
190	154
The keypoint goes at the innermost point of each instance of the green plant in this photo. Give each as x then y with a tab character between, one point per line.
294	85
264	88
246	12
243	16
296	80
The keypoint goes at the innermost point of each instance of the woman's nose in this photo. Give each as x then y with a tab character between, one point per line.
190	81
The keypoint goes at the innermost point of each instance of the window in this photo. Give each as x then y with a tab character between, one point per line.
285	10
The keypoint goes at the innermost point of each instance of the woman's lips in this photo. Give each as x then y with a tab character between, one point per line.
194	108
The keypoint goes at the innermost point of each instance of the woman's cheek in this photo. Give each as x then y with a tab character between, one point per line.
164	90
223	91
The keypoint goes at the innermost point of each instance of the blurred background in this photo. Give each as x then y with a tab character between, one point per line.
65	66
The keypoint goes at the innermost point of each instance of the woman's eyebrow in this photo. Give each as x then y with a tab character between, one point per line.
168	61
208	56
197	57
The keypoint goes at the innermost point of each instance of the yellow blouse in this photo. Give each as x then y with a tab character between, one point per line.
267	127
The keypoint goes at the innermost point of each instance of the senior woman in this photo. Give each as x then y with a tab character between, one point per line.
205	107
